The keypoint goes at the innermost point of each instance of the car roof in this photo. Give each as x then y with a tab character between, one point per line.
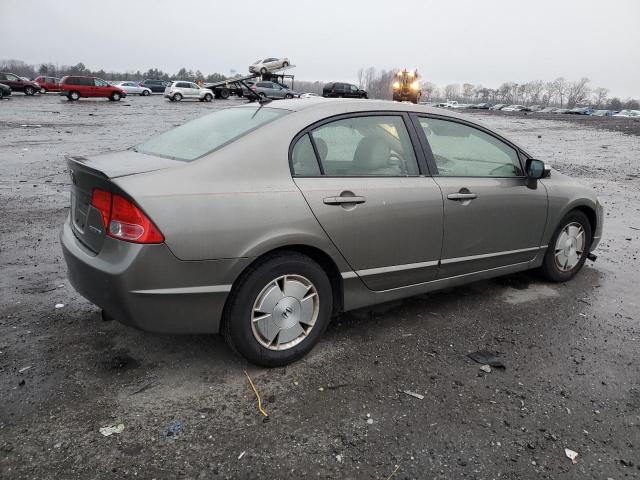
328	107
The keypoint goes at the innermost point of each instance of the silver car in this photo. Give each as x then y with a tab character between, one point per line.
133	88
268	65
272	90
263	222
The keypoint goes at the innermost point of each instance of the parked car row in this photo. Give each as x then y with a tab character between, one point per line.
538	109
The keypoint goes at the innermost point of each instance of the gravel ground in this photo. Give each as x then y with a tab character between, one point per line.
572	377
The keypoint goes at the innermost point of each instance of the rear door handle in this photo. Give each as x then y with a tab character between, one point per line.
462	196
341	200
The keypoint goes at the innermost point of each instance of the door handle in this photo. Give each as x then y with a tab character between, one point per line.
462	196
341	200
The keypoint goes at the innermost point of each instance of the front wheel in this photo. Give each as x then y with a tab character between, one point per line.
177	97
146	93
43	90
288	96
73	96
115	97
278	309
568	248
208	97
285	64
29	91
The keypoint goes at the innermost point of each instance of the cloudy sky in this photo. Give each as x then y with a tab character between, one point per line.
450	41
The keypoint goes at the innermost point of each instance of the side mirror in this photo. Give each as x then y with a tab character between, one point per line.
535	168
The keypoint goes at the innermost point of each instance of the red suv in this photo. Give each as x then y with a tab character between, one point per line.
75	87
48	84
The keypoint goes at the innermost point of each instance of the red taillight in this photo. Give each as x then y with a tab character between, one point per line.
124	220
253	87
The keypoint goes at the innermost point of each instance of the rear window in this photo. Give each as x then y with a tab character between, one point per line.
206	134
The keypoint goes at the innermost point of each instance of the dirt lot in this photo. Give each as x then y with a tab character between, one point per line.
572	377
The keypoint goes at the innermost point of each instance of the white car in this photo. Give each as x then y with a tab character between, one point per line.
310	95
269	64
628	113
181	89
513	108
133	88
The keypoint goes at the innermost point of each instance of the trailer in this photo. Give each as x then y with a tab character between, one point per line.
238	85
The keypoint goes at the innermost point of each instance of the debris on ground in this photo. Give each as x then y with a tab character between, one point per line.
174	429
257	394
24	369
108	431
59	305
485	368
571	455
392	474
413	394
486	358
242	454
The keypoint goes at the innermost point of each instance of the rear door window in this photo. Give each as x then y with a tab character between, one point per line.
303	158
377	145
209	133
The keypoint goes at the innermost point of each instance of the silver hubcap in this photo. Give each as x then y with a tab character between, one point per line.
284	312
569	246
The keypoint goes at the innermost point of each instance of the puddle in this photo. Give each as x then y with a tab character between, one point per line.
515	296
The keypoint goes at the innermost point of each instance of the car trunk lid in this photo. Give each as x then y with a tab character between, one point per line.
91	173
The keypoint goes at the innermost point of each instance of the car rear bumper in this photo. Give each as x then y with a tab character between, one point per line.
147	287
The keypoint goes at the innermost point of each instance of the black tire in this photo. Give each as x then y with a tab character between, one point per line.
285	64
145	93
288	96
43	90
1	94
208	97
176	97
237	317
224	93
549	269
115	97
263	70
262	95
29	90
74	96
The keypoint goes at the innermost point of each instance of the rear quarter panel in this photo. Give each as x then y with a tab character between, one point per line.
237	202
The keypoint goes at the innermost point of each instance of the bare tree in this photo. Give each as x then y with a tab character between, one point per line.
578	92
452	91
429	90
361	78
467	91
560	89
600	97
534	91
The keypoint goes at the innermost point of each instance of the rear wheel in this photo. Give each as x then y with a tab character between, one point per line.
29	91
263	70
43	90
568	248
176	97
115	97
285	64
73	96
146	93
288	95
224	93
262	95
278	309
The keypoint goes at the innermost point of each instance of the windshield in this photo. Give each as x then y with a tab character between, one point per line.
206	134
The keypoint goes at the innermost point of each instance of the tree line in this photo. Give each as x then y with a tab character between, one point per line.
49	69
559	92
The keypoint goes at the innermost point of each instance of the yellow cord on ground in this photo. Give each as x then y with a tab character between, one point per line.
255	390
393	473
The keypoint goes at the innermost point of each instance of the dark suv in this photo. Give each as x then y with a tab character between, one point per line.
156	86
344	90
18	84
